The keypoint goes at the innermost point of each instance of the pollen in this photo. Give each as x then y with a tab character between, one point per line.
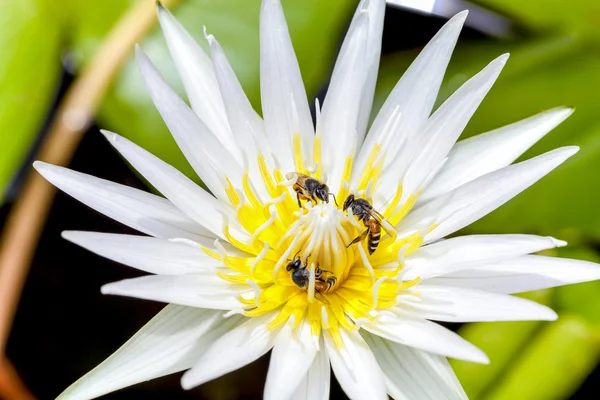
312	262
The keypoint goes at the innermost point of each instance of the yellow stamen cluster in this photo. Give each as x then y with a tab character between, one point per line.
319	235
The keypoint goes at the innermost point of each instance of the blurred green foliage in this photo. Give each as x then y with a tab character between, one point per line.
29	36
552	365
550	15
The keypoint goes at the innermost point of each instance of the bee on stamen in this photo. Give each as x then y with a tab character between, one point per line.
372	220
310	189
301	275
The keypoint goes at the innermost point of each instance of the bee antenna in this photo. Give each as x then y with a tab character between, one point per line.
334	199
298	252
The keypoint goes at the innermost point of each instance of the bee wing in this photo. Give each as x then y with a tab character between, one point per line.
387	227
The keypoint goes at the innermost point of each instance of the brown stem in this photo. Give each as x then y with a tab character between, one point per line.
26	220
11	387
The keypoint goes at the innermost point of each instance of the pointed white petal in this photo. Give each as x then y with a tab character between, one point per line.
211	160
196	72
450	304
157	256
463	252
246	125
355	367
235	349
315	384
413	374
522	274
183	193
376	11
284	103
471	201
481	154
339	116
291	358
142	211
420	158
239	110
425	335
204	290
414	95
169	343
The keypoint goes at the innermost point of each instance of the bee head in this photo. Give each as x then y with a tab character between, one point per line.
349	201
322	193
295	264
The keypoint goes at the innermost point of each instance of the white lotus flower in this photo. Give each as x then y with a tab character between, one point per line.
220	260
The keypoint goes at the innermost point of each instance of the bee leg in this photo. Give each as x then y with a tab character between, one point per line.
331	281
360	238
299	203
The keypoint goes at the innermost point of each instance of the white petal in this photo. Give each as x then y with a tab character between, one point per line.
425	335
522	274
183	193
481	154
235	349
413	374
376	11
339	116
420	158
291	358
211	160
157	256
204	290
140	210
355	367
247	126
452	304
315	384
284	103
169	343
413	97
463	252
196	72
471	201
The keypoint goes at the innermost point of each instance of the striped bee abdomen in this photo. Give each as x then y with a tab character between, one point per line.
374	235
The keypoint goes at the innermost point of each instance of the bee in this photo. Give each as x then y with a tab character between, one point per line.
301	275
362	209
311	189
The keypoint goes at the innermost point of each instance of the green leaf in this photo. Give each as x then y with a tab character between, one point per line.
315	27
584	298
29	71
544	15
553	365
501	341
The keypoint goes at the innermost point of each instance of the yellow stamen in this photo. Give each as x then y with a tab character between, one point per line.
317	158
297	262
298	158
343	191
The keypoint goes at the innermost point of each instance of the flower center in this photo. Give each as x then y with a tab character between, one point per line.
316	246
312	262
